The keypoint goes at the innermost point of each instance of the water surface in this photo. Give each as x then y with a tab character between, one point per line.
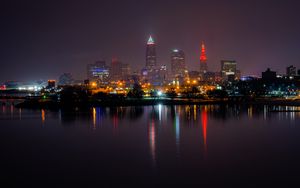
151	146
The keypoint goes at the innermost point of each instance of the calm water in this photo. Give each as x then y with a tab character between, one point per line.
151	146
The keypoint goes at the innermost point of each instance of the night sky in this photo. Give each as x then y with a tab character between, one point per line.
43	39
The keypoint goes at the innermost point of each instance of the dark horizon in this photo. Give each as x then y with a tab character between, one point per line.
41	40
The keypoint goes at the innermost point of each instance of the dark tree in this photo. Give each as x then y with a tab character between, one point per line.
136	91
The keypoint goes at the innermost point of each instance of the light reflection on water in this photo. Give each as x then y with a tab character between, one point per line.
152	140
177	132
184	140
204	128
190	114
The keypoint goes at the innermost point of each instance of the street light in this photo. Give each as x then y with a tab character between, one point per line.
159	93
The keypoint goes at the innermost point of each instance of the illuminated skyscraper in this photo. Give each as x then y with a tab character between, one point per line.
98	72
150	54
203	60
177	63
228	68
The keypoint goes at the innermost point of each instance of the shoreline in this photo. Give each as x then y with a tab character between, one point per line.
150	102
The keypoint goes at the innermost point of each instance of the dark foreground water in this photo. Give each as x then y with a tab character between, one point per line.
152	146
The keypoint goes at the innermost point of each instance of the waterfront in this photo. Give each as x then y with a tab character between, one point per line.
207	145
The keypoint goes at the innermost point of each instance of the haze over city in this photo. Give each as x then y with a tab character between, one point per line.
150	93
43	39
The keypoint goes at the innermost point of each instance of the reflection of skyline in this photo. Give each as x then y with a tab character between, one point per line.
43	115
135	112
20	113
12	111
152	141
204	127
97	115
94	118
174	125
177	131
189	114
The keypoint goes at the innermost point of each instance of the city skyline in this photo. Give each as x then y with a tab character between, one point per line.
42	40
150	93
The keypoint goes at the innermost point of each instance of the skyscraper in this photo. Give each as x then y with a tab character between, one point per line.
291	71
98	72
115	70
177	63
150	54
228	68
203	60
126	71
119	70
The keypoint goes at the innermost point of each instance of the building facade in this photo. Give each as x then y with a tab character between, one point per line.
203	61
228	69
115	70
177	63
98	71
150	55
291	71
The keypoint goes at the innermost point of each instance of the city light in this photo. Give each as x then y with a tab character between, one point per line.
150	41
175	81
94	84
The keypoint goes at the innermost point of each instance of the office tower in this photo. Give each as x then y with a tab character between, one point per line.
150	55
119	70
125	71
98	72
51	84
163	73
228	69
291	71
177	63
115	70
203	61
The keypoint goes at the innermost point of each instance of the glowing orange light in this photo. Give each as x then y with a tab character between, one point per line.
94	84
94	118
43	115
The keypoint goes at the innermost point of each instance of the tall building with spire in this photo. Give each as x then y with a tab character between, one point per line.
203	60
150	54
